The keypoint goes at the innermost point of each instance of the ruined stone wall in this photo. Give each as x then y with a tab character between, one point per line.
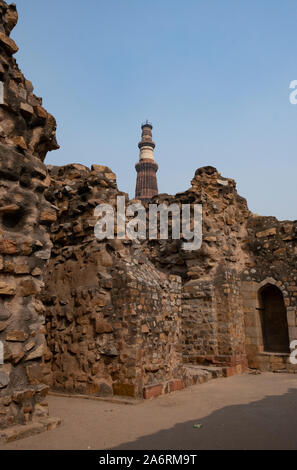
149	305
199	321
273	261
27	132
241	253
116	316
101	294
213	317
112	319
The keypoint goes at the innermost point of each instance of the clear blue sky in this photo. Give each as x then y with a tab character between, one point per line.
211	75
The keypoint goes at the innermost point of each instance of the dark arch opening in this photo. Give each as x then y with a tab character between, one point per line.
274	320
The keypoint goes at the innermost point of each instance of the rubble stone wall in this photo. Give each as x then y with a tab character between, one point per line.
119	316
148	303
273	248
213	317
113	320
27	132
199	321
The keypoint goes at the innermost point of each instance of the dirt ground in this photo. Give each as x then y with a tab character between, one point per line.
242	412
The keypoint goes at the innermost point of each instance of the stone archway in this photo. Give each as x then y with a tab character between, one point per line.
273	319
270	325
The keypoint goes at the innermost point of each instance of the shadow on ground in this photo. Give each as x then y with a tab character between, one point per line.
269	423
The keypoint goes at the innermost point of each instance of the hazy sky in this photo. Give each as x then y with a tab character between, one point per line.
211	75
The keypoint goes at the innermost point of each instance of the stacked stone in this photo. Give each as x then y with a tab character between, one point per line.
220	282
27	132
147	305
116	316
212	318
78	280
112	318
273	260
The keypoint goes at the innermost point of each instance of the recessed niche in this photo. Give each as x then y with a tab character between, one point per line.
14	220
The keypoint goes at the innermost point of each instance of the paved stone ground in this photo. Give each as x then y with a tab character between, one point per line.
242	412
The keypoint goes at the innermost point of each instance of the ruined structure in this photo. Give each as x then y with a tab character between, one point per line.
27	133
146	184
123	317
113	320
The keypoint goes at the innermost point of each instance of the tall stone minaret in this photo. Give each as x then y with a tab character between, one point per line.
146	184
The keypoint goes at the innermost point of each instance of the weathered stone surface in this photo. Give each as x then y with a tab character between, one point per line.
26	135
103	327
7	288
11	17
266	233
40	112
20	142
120	316
35	374
26	109
48	216
16	336
8	44
127	390
97	298
16	353
37	353
14	433
4	379
10	209
8	247
28	287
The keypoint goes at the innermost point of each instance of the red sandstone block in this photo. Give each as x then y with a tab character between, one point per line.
244	365
229	371
127	390
175	385
239	369
234	370
152	391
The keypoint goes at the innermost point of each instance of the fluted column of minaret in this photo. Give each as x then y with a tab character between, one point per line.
146	184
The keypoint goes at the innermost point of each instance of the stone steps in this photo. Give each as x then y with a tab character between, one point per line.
14	433
197	374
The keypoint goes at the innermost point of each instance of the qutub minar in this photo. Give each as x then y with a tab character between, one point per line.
146	184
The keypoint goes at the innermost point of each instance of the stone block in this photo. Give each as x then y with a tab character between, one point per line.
26	109
8	44
175	385
122	389
18	336
152	391
7	288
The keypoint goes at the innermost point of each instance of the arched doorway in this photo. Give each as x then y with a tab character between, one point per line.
274	320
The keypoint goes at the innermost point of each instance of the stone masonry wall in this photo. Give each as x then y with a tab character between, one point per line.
213	317
112	319
273	248
150	303
116	316
27	132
